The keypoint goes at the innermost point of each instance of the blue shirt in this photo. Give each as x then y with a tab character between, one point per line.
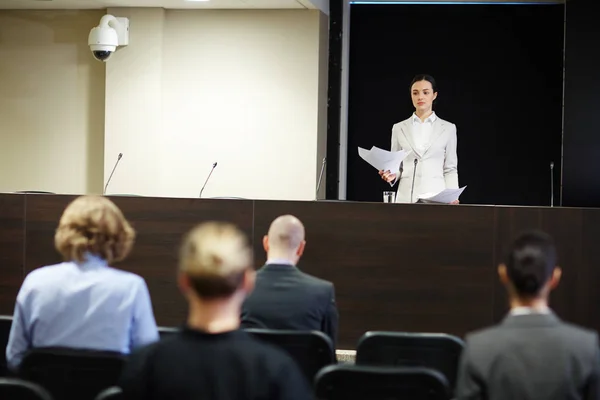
85	305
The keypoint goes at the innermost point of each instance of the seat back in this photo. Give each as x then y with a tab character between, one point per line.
311	350
164	331
437	351
111	393
71	373
5	324
13	388
354	382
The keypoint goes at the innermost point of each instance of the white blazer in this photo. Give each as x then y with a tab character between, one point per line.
437	166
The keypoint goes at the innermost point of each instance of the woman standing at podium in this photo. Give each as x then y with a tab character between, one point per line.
431	165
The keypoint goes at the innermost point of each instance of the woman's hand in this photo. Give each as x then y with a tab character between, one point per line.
387	176
456	202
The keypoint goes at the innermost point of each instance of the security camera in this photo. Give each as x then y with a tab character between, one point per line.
107	36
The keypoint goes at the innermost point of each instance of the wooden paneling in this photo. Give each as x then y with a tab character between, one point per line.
565	226
396	267
12	222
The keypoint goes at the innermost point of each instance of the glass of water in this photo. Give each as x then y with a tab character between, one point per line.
389	197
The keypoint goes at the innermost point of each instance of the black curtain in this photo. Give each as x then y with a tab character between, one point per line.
499	70
581	177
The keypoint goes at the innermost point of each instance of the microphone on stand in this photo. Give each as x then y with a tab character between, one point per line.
113	171
320	177
552	184
412	188
207	178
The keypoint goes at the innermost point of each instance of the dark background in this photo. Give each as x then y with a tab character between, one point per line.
581	177
499	70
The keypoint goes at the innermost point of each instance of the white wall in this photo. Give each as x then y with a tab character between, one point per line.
246	88
51	103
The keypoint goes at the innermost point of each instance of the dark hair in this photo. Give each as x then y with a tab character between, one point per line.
531	262
424	77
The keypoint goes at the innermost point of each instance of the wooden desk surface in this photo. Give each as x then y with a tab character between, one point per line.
413	267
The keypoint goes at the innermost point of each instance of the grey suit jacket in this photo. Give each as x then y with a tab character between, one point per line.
535	356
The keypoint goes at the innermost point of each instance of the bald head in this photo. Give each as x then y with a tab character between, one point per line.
286	233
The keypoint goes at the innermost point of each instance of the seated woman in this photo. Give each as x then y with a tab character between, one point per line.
83	303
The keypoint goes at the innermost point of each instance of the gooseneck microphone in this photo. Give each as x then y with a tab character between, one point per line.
207	178
412	188
113	171
320	177
552	184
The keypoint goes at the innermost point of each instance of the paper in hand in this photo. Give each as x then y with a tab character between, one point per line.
446	196
383	160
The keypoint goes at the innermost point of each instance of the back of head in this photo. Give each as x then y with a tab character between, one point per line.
531	262
215	257
286	233
95	225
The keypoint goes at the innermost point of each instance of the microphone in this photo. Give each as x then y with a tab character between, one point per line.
320	177
113	171
207	178
552	184
412	188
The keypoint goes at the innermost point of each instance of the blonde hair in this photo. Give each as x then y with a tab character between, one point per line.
215	256
93	224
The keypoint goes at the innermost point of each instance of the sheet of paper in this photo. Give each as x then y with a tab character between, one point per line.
446	196
383	160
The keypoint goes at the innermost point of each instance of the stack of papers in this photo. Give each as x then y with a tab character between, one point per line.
446	196
383	160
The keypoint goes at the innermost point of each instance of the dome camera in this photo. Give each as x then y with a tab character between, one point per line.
111	33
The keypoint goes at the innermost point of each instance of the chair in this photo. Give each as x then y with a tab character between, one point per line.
437	351
311	350
353	382
166	331
111	393
13	388
72	373
5	325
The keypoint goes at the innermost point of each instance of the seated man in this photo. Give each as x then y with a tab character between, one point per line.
212	359
532	354
84	303
285	297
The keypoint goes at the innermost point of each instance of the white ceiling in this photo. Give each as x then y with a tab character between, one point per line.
177	4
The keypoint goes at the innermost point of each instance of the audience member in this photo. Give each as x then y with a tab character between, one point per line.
532	354
212	358
83	302
285	297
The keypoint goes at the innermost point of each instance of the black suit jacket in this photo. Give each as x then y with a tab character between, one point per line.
286	298
534	356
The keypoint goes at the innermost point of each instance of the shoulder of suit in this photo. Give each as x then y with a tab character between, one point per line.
316	281
445	122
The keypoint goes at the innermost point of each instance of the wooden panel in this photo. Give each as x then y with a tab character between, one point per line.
160	224
565	226
396	267
12	237
587	295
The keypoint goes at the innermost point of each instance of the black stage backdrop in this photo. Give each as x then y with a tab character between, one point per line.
499	70
581	169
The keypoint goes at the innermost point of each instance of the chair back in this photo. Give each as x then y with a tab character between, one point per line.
437	351
111	393
13	388
72	373
166	331
312	350
5	325
354	382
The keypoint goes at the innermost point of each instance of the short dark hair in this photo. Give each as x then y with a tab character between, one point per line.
425	77
531	262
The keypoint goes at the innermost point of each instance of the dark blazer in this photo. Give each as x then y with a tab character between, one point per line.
286	298
534	356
